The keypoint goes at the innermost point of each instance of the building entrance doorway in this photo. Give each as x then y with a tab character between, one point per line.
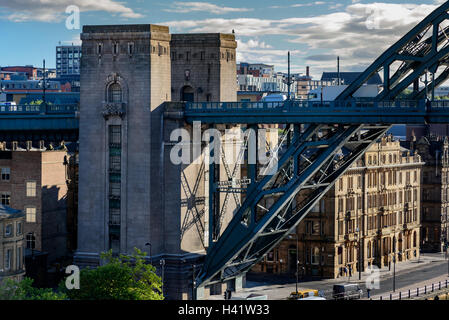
187	94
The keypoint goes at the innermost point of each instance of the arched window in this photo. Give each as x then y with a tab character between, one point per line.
115	93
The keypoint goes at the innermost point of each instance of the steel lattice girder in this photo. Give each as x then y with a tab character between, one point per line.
421	56
317	163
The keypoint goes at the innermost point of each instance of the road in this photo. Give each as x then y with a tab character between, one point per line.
404	278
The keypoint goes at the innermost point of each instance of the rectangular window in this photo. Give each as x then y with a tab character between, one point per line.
8	257
19	258
8	230
6	199
19	228
6	172
30	214
31	189
115	134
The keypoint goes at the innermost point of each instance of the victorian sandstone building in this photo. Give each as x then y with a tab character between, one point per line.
130	194
434	151
372	211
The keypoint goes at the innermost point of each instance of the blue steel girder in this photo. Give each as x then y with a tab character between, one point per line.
417	54
315	161
310	112
421	94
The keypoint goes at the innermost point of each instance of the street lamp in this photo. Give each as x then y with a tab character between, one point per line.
297	262
162	263
359	252
193	281
394	261
43	83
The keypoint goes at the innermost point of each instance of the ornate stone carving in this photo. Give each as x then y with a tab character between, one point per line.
111	109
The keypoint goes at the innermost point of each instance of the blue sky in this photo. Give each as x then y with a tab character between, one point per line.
315	32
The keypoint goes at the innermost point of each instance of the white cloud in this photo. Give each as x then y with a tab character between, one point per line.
54	10
345	33
185	7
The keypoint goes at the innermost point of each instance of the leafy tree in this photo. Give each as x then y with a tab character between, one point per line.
120	278
23	290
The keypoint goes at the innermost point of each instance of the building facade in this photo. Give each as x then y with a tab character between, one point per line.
33	179
275	83
370	215
68	60
434	151
130	193
12	244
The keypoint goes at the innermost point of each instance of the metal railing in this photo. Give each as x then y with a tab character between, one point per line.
292	106
38	109
413	293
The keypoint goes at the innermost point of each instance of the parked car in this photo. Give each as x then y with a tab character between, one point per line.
347	291
305	294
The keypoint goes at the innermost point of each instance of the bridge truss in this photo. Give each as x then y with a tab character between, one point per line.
334	136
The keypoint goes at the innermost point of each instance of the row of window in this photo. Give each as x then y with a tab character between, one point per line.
9	229
30	192
384	178
130	49
392	158
377	200
9	258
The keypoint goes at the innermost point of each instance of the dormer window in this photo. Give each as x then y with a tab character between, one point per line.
115	93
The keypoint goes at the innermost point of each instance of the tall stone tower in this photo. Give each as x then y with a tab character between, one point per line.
203	67
130	193
125	75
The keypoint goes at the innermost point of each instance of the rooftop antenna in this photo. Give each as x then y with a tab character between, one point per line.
289	81
338	69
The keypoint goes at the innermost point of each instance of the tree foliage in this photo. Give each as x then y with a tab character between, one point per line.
127	277
23	290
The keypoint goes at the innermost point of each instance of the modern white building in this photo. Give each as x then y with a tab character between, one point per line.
247	82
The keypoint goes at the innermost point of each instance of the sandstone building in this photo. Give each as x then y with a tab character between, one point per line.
33	180
371	214
434	151
12	244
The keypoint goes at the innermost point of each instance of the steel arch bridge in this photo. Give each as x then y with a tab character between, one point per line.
317	132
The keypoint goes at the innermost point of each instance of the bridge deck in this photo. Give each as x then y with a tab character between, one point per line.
39	117
332	112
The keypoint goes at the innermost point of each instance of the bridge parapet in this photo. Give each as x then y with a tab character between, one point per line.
38	109
299	105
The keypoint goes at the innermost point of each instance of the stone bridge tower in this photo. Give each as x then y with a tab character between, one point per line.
130	194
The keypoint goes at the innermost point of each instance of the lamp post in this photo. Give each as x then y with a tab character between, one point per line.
162	263
297	262
394	263
193	281
359	252
43	84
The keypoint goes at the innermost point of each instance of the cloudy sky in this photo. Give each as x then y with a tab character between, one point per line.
315	32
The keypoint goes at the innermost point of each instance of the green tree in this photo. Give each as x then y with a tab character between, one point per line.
127	277
23	290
